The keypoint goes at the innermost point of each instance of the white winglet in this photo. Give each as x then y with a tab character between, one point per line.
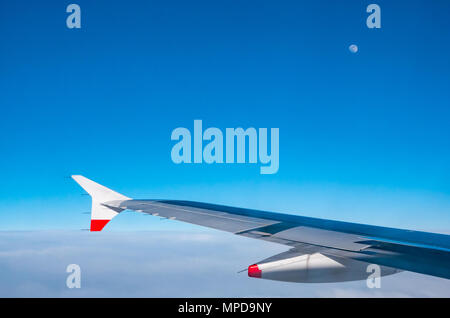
105	202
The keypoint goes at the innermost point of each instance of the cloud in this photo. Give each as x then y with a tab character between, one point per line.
166	264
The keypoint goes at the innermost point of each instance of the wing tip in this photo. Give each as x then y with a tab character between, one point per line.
98	225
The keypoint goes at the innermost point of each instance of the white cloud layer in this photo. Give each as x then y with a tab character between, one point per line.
167	264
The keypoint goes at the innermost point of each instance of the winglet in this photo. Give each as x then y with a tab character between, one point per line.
105	202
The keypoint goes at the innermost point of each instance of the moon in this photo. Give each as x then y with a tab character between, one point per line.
353	48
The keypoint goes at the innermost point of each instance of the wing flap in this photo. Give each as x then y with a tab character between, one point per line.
214	219
320	237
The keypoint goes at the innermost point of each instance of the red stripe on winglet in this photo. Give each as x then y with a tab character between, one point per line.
254	271
98	225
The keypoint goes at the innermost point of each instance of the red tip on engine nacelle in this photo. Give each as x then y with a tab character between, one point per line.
254	271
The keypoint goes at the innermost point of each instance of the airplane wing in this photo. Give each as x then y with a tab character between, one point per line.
320	250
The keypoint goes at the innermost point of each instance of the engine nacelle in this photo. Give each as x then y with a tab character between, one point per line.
314	268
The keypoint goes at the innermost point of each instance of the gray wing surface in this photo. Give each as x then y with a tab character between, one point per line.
422	252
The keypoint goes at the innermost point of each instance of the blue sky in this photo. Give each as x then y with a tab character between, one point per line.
364	137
